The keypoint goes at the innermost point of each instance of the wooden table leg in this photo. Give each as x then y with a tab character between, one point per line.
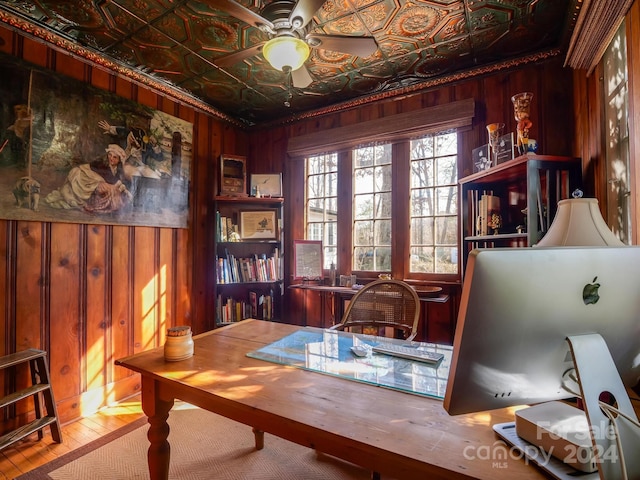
157	409
259	436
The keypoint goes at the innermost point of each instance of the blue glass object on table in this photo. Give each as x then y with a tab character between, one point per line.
329	352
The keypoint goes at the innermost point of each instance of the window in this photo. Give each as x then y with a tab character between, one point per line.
615	86
372	199
398	207
434	205
322	204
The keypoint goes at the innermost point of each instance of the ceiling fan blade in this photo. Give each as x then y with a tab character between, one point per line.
360	46
240	55
304	10
242	13
301	78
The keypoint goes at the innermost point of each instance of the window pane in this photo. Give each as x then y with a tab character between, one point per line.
446	259
421	260
363	207
382	229
363	181
422	202
422	231
363	233
422	173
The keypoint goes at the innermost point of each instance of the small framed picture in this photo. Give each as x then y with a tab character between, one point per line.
259	224
233	176
481	158
266	185
505	149
307	259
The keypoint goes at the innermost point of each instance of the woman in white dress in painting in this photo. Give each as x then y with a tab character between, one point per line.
97	187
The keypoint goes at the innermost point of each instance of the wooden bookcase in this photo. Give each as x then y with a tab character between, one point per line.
529	188
249	258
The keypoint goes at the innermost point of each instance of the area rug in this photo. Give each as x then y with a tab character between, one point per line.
204	446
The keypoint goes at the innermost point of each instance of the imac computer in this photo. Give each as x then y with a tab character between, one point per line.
543	324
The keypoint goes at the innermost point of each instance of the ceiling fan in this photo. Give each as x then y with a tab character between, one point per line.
286	22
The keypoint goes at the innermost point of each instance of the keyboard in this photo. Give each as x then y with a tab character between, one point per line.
411	353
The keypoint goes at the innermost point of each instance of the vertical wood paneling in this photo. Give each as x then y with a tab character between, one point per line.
99	315
145	281
30	286
5	261
120	259
67	317
166	270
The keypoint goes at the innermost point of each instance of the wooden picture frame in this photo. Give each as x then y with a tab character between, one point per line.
307	259
233	175
268	184
258	224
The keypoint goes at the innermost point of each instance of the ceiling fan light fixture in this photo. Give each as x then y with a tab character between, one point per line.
283	52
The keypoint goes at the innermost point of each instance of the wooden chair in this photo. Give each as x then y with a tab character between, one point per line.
383	308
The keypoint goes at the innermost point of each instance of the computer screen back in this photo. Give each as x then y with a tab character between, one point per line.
517	307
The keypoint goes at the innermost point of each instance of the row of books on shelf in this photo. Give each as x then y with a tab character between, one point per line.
226	230
259	268
258	305
485	212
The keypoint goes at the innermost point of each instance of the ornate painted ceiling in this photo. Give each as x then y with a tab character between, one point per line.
176	46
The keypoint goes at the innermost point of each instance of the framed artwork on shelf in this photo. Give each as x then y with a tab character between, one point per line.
233	175
307	259
259	224
481	158
505	148
266	185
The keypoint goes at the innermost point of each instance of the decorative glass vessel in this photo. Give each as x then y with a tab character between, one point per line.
521	110
495	131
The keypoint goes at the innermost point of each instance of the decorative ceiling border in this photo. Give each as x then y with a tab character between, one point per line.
65	45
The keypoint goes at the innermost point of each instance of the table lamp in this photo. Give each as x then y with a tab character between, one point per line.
578	222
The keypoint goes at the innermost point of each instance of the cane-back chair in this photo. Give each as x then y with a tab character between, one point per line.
383	308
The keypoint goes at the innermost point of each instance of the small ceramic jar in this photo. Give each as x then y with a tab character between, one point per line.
179	344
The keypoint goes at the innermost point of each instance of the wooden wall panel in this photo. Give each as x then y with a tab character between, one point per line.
30	286
92	294
120	258
98	335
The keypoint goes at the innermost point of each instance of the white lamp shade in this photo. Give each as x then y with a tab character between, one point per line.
578	222
283	52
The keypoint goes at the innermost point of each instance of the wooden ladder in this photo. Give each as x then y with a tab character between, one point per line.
40	385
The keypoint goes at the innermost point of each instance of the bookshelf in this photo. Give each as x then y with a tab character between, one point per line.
249	259
524	191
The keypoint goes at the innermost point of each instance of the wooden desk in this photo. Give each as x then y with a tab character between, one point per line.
401	435
339	294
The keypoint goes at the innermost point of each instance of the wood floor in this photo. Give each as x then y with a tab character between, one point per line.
30	453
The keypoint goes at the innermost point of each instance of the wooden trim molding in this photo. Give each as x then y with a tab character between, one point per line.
596	25
391	128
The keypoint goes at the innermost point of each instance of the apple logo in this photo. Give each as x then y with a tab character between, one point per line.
590	292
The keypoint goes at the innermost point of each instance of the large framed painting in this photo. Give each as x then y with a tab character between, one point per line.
70	152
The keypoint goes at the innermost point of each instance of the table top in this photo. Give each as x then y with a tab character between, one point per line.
396	433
